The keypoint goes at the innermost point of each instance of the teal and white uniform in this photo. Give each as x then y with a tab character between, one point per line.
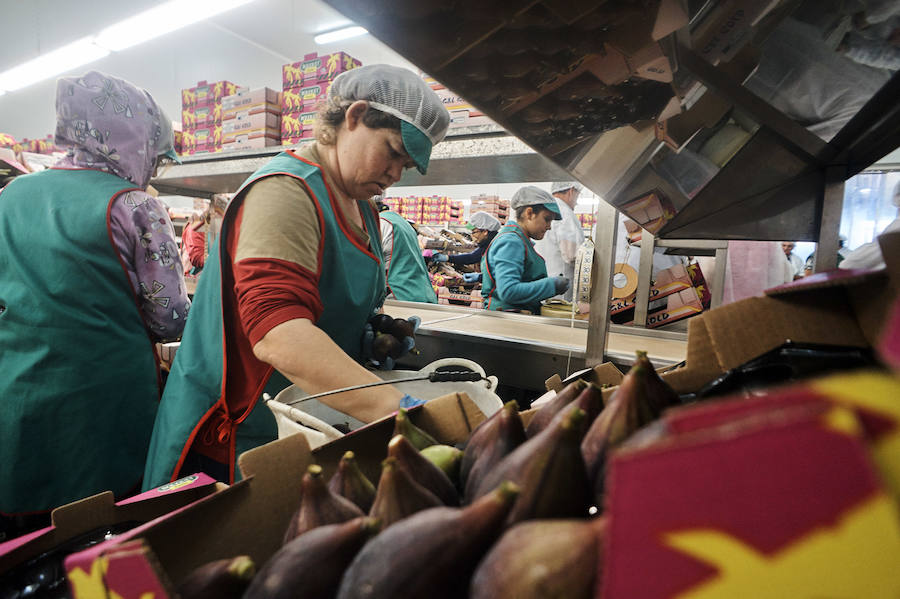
199	411
514	274
407	277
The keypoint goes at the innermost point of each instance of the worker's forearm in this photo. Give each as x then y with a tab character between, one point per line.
309	358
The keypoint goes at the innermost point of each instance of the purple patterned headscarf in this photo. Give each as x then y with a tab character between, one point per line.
109	124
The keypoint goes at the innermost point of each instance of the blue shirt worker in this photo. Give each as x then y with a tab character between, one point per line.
514	276
484	228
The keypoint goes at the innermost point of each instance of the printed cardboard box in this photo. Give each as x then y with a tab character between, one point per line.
205	92
298	125
252	122
250	143
249	517
246	97
81	517
316	69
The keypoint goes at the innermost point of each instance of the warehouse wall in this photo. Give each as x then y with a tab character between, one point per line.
247	45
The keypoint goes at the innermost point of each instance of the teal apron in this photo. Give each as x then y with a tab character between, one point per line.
535	269
351	287
79	383
407	277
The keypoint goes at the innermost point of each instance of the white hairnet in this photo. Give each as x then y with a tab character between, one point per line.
483	220
559	186
534	196
402	93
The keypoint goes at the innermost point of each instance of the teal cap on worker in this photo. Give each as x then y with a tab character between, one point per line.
535	196
423	118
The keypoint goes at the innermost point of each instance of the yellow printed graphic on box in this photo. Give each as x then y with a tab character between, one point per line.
815	565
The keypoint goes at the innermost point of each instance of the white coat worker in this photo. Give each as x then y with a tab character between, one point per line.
561	243
868	255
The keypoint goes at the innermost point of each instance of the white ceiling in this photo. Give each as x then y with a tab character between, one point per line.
247	46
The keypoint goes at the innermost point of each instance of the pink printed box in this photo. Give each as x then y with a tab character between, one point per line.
203	92
243	142
316	69
303	99
297	125
260	120
247	134
247	97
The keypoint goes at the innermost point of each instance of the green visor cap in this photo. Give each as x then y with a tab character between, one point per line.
416	144
554	208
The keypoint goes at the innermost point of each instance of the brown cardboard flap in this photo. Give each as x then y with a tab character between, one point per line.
449	419
746	329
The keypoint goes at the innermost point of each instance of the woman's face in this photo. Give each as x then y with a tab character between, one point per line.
479	235
369	160
536	223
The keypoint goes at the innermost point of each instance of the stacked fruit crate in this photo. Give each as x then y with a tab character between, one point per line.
305	83
201	116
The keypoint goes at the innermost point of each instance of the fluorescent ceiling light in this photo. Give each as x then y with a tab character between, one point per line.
52	63
339	34
160	20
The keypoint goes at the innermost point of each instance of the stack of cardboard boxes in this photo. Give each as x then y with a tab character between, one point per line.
411	209
45	145
436	210
587	219
251	119
493	205
393	203
462	114
201	116
305	83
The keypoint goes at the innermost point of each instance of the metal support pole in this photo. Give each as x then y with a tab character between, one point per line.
830	223
601	282
718	278
645	272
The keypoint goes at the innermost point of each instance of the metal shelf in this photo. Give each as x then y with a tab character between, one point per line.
484	154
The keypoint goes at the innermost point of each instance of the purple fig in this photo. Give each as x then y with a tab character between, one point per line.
221	579
550	472
489	443
404	426
318	505
398	495
349	482
542	559
422	470
311	566
546	412
430	555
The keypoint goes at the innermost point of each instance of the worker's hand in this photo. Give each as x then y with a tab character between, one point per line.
408	401
438	257
381	349
560	284
472	277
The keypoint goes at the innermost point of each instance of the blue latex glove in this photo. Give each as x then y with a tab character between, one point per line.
408	401
472	277
560	284
440	257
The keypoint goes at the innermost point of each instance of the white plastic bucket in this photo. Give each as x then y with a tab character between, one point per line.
316	420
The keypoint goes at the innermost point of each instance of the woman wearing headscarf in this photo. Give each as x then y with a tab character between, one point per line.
297	274
90	278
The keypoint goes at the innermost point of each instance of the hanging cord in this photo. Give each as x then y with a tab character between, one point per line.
449	376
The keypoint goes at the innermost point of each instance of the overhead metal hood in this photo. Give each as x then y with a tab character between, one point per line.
644	102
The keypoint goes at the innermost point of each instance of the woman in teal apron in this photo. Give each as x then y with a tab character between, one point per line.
407	277
89	280
296	274
514	277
